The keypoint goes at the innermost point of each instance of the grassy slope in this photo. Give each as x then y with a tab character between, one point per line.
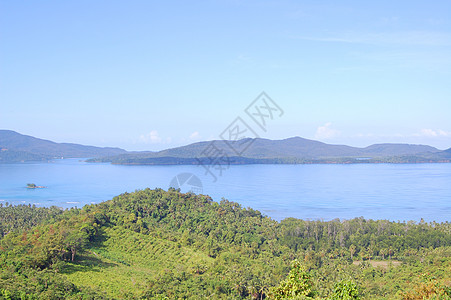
127	261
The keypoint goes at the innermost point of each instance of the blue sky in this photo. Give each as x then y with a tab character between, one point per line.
148	75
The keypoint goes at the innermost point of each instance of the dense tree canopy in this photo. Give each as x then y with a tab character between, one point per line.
156	243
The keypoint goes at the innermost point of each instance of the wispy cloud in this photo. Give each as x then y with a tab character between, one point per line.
195	136
433	133
326	131
407	38
243	57
153	137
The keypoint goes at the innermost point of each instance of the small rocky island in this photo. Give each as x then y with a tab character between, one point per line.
34	186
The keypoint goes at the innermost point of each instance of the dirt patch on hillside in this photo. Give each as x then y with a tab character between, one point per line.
379	263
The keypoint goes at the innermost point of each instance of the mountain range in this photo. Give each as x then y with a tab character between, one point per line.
15	147
291	150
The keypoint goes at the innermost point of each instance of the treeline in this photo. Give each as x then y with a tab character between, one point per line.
24	217
36	243
227	223
181	245
365	238
241	160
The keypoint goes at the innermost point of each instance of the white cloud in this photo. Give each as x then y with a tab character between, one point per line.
433	133
194	136
326	132
153	137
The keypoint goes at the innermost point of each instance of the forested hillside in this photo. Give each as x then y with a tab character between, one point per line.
156	244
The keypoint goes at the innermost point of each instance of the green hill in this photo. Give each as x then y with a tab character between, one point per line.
15	147
156	244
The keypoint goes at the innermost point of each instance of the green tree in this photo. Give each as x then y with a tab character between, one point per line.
352	250
345	290
383	252
297	285
4	294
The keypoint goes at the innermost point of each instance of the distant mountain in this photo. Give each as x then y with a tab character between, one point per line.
16	147
291	150
398	149
297	147
445	155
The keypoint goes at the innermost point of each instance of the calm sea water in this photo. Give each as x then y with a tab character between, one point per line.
376	191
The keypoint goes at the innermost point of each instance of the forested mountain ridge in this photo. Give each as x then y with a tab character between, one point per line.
295	147
291	150
16	147
156	244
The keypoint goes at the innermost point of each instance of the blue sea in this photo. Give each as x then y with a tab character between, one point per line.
398	192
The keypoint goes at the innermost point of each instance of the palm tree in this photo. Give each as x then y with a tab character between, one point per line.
383	252
352	250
